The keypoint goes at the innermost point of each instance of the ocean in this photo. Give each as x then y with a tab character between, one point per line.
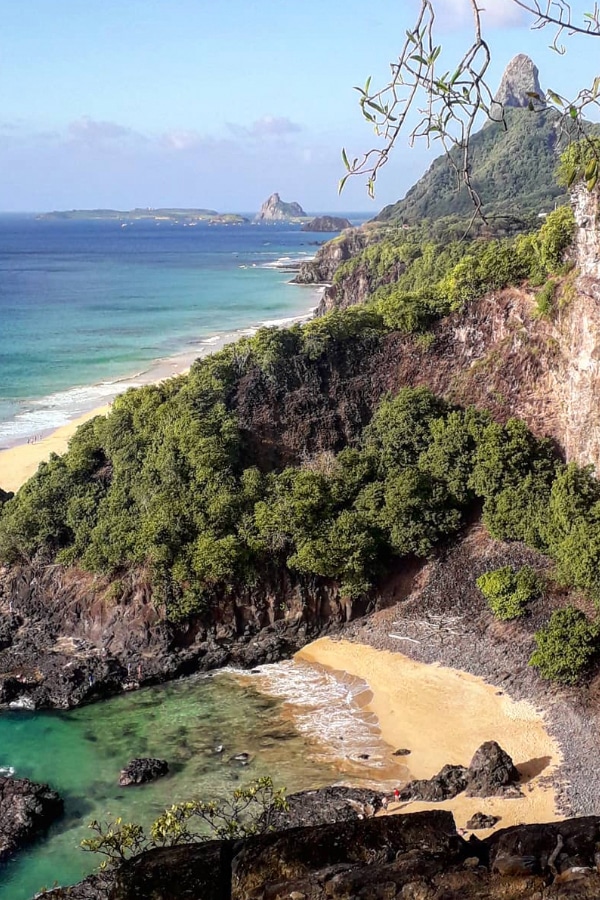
89	308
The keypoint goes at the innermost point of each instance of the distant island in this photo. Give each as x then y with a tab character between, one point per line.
327	223
168	214
277	210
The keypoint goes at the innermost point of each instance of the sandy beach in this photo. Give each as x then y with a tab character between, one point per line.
19	463
443	715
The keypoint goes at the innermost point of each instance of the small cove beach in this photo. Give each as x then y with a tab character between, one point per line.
442	716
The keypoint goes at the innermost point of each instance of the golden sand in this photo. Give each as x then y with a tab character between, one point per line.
17	464
442	716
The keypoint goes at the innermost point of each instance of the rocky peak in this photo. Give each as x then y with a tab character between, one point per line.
277	210
521	78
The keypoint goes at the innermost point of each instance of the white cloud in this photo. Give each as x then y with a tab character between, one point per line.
94	133
266	127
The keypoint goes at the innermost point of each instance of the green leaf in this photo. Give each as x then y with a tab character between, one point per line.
342	183
573	112
345	159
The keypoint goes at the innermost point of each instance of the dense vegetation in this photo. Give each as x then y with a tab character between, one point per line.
165	480
414	280
513	170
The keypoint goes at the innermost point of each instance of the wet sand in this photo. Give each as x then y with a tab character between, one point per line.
442	716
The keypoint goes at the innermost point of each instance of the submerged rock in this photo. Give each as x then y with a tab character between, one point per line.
139	771
26	809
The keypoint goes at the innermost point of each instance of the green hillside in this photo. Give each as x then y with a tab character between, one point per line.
513	171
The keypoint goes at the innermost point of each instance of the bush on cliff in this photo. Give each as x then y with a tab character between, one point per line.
508	592
566	646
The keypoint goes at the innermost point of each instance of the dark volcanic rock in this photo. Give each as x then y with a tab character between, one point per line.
327	805
139	771
450	781
399	857
26	809
327	223
491	772
481	821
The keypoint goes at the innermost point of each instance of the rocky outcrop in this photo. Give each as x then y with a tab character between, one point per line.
520	85
26	810
140	771
399	857
327	223
68	640
329	257
277	210
449	781
490	774
326	806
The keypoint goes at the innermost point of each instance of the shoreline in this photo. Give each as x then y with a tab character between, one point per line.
442	715
19	460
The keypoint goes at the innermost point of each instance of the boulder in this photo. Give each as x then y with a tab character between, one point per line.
450	781
491	772
480	821
26	809
140	771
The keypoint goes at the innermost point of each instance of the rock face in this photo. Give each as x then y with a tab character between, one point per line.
521	78
26	809
400	857
276	210
587	238
327	223
139	771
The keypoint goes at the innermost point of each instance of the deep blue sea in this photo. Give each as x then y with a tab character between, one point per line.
84	305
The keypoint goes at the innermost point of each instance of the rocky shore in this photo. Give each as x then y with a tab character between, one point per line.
27	810
420	856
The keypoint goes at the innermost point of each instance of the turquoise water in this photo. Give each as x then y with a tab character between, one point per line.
80	754
85	304
300	724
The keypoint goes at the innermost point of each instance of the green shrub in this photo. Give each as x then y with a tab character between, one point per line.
565	646
544	301
508	591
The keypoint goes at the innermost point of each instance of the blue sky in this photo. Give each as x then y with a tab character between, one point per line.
123	103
